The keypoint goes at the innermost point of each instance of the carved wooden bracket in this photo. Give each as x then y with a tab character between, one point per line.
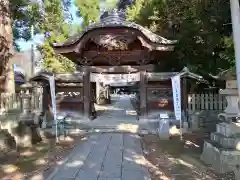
85	61
115	60
144	58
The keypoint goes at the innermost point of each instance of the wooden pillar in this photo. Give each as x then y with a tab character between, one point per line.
143	94
87	92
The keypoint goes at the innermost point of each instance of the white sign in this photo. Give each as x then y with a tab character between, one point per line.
113	78
53	97
164	116
176	88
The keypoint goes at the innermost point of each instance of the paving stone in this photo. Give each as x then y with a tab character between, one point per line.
134	175
102	178
115	152
63	178
93	166
112	163
113	158
106	156
96	158
67	173
88	174
111	172
129	165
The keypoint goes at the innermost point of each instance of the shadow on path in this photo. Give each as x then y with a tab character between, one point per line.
107	156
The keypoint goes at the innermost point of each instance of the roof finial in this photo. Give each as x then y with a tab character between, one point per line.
113	15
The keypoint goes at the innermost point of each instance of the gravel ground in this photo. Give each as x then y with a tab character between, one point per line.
36	162
176	160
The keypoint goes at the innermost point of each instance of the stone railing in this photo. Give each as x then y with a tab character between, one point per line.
13	102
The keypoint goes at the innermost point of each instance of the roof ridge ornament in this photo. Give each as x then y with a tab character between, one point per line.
113	15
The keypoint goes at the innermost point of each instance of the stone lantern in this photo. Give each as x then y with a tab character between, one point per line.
231	94
222	150
26	95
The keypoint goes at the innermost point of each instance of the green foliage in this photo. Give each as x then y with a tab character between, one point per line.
228	53
55	63
51	17
24	14
48	17
198	25
88	10
56	29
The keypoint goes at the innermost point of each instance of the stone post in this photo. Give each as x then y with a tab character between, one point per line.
102	93
143	95
37	101
26	95
107	94
100	96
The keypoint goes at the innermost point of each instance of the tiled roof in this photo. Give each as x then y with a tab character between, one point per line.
115	18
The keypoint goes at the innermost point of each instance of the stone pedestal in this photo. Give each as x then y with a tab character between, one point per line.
222	160
222	150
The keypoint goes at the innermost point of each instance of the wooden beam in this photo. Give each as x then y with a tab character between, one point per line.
117	69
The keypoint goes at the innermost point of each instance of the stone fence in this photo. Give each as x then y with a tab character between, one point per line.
14	102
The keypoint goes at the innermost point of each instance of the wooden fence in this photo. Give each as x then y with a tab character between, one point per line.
206	102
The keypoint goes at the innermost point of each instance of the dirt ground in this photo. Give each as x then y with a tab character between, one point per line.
38	160
178	160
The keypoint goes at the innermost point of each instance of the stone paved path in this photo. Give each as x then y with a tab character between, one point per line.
121	110
107	156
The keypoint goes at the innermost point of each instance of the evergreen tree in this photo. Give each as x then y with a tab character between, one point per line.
199	26
56	29
6	47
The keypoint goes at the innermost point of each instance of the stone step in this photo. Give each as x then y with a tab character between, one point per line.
226	142
51	132
221	159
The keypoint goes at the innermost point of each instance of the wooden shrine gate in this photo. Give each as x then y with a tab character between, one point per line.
73	91
114	41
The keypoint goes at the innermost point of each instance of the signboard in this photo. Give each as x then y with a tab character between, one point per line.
53	97
113	78
176	88
163	116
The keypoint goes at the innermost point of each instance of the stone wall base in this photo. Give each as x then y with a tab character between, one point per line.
226	142
221	159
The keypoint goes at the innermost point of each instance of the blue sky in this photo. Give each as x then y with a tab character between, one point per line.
25	45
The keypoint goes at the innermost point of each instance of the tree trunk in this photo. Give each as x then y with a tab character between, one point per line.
6	48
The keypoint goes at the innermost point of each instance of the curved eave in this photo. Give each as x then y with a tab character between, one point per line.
157	42
61	77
